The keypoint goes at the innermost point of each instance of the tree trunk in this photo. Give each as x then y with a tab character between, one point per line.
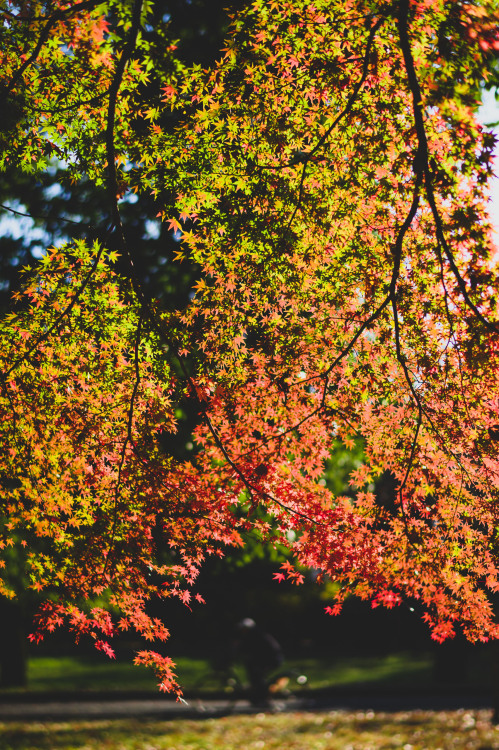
13	661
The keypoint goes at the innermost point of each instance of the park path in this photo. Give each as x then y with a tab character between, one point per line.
160	708
86	706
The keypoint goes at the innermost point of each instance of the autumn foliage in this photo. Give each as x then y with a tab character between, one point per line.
328	179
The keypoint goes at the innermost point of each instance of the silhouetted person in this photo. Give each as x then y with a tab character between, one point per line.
261	655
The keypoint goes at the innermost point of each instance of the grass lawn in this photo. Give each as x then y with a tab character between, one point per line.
334	730
99	673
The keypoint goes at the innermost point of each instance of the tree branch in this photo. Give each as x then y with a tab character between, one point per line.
422	158
128	439
44	34
345	111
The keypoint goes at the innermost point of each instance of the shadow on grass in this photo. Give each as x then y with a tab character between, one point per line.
76	734
73	673
328	730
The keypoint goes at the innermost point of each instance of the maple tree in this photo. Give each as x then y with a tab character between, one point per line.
327	181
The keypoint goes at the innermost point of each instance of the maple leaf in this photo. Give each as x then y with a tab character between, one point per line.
106	648
174	225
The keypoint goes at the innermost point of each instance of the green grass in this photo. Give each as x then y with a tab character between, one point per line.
73	673
99	673
392	670
333	730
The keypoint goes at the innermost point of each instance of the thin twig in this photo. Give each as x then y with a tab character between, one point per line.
43	216
345	111
128	438
60	317
44	34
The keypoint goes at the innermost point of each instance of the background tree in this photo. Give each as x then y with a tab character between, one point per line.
327	179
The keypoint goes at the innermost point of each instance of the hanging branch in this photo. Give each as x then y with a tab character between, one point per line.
305	158
58	15
422	159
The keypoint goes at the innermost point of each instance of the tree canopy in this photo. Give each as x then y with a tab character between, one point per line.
325	182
